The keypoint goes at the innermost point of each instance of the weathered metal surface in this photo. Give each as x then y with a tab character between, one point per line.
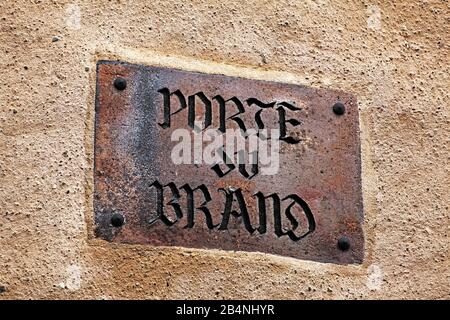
318	184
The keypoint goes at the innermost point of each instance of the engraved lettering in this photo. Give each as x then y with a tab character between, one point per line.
235	205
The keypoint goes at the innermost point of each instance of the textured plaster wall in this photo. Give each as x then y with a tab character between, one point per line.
393	55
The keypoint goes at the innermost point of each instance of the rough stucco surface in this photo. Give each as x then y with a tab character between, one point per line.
394	56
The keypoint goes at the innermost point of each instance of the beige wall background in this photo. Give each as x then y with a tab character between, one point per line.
393	55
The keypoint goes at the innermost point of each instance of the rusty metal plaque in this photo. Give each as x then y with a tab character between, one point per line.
155	185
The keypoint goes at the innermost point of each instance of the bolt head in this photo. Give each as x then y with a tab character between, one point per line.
120	83
117	220
343	243
339	108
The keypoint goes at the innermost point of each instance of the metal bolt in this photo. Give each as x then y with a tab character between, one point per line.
117	220
344	243
339	108
120	83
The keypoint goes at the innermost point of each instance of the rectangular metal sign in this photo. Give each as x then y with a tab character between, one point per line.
211	161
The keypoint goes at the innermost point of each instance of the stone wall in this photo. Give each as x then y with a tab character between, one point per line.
392	55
